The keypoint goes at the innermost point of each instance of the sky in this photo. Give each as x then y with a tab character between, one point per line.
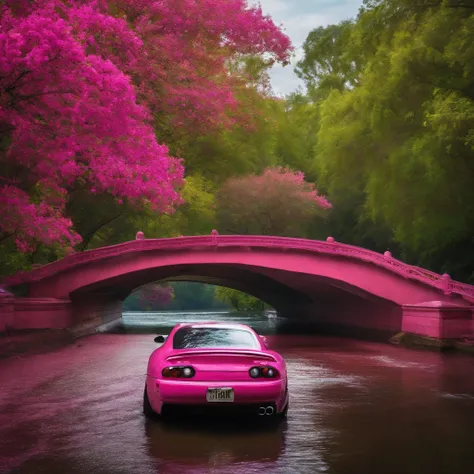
298	18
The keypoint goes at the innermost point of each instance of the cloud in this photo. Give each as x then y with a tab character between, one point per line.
275	6
299	17
298	26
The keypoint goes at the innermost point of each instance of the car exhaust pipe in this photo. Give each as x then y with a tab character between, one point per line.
261	411
269	411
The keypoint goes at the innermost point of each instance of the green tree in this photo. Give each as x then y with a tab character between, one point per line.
239	300
329	60
398	142
195	296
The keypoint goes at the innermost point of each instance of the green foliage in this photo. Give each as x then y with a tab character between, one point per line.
11	260
238	300
194	296
328	60
244	149
385	129
296	130
191	296
395	145
196	216
186	296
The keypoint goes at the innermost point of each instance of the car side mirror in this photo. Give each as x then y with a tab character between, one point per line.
264	339
159	338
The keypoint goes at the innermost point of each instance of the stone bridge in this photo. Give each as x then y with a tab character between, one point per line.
323	283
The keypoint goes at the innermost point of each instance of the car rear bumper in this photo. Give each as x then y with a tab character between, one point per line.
188	393
218	410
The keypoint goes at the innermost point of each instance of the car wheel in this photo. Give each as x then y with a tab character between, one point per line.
284	413
147	409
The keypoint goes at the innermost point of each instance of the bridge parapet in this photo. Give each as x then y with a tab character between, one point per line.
330	247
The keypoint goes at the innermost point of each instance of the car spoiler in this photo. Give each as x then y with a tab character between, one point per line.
222	352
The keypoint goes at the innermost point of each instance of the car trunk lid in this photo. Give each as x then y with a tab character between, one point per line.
221	365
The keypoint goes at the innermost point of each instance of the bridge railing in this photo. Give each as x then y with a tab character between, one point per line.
442	282
328	247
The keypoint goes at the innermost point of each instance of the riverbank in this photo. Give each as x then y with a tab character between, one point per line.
413	341
29	342
37	341
33	342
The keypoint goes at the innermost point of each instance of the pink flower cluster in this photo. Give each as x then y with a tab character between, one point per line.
81	82
155	296
28	222
287	182
187	45
277	202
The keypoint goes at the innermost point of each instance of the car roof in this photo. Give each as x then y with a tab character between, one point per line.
207	324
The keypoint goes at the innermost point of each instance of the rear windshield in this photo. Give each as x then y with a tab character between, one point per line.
193	338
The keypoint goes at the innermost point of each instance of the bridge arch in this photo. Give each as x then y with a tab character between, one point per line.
311	280
263	287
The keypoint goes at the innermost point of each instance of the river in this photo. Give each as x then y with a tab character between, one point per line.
355	408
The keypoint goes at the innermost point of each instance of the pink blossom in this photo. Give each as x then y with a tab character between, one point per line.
81	83
277	202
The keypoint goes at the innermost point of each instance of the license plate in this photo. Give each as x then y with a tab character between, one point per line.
220	395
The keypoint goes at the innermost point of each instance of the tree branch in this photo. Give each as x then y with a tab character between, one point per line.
88	237
7	236
20	98
13	85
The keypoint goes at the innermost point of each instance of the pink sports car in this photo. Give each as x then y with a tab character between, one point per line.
215	368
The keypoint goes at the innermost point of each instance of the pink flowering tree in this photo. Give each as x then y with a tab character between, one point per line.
151	297
155	297
277	202
86	84
189	46
69	119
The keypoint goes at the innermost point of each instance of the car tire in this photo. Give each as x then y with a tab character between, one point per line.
147	409
284	412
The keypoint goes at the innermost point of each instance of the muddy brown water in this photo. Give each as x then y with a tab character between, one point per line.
355	408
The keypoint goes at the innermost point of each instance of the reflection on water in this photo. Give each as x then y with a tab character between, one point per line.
355	408
197	445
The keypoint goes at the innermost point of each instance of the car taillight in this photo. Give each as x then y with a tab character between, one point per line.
178	372
265	372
